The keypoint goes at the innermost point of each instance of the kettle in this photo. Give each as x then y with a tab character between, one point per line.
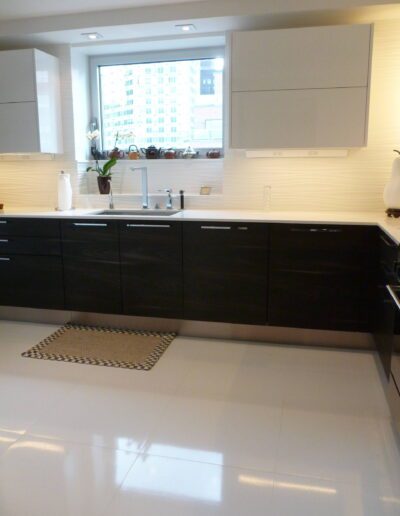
134	153
213	154
151	152
189	153
169	154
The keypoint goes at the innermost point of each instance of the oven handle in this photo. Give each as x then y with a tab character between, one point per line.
393	296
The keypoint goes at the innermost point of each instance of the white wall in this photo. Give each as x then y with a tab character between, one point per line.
352	183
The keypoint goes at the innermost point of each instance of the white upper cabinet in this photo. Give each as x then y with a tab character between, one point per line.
300	88
30	111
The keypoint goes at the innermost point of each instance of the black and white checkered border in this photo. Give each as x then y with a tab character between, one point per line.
39	353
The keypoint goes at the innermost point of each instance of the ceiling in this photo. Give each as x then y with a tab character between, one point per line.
151	20
17	9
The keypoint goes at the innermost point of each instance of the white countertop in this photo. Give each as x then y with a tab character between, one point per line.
390	226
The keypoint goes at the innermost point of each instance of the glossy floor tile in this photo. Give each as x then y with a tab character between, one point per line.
217	427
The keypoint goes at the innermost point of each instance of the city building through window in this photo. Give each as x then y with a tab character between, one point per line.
190	103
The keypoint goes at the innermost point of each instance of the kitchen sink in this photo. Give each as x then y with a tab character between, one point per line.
142	212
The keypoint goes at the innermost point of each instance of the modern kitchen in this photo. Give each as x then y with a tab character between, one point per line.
200	258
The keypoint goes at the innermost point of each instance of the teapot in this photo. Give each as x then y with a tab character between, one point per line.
134	153
189	153
169	154
116	153
213	154
151	152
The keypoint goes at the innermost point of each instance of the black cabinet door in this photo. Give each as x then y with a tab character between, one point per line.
225	272
36	227
386	320
91	266
31	281
151	265
322	277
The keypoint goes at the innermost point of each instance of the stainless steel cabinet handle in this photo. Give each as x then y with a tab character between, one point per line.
90	224
3	241
3	221
243	228
5	259
148	226
387	242
315	230
393	296
216	227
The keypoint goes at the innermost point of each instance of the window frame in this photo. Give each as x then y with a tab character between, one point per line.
95	62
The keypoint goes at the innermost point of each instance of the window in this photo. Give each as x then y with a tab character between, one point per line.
191	97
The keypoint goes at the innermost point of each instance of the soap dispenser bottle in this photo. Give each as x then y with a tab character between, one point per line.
64	192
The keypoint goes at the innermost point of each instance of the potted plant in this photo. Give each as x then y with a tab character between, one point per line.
104	174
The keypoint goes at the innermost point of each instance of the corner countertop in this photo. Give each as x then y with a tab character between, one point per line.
390	226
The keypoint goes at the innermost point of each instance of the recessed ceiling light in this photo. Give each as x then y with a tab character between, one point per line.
92	35
187	27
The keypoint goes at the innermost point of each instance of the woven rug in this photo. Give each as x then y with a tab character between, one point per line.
129	349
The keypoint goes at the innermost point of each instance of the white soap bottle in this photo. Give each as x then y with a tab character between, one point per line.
64	192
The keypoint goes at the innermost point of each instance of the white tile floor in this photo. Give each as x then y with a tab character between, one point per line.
216	428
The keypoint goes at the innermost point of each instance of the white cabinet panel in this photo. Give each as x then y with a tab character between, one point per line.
18	127
319	118
29	102
314	57
17	76
49	102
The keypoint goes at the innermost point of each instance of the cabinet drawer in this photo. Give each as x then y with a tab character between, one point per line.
30	245
327	248
31	281
36	227
91	239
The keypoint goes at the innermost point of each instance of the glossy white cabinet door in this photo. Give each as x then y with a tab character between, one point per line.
17	76
19	127
49	102
313	57
320	118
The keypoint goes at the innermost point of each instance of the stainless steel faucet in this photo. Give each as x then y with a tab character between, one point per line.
111	198
168	191
145	188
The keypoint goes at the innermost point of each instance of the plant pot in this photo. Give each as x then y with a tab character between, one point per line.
104	183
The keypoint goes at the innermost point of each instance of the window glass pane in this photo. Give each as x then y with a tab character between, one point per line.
191	97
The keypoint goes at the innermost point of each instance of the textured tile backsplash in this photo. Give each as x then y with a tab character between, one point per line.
352	183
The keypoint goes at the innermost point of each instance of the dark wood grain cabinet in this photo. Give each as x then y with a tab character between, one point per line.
225	272
91	266
31	270
322	277
151	268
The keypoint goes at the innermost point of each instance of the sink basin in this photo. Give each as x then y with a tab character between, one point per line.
144	213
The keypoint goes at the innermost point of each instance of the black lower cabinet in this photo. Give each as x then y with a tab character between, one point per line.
225	272
91	266
322	277
31	281
387	322
151	268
